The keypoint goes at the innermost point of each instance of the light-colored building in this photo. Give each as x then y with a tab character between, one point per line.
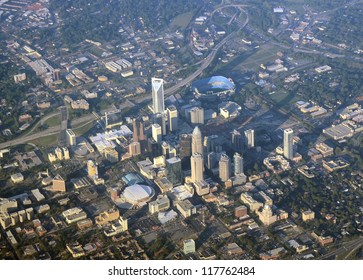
173	118
288	143
17	178
157	133
308	215
188	246
252	204
196	161
66	153
107	216
157	90
71	137
134	148
118	226
59	153
92	169
202	188
162	203
74	215
224	168
52	157
250	138
186	208
59	185
238	164
197	115
111	154
197	144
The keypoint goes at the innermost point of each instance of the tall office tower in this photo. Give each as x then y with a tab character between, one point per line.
139	133
156	133
197	115
71	137
238	164
59	153
224	168
160	120
207	145
134	149
174	170
173	118
237	141
56	75
66	153
211	160
157	89
153	148
185	148
197	146
196	161
250	138
92	169
165	149
288	143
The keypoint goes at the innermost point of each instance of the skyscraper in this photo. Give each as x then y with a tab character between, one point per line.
157	88
156	133
185	148
197	115
237	141
197	145
139	133
238	164
174	170
250	138
196	161
71	137
288	143
173	118
159	119
224	168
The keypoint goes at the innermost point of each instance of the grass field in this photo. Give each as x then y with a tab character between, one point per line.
83	129
265	54
46	141
53	121
181	21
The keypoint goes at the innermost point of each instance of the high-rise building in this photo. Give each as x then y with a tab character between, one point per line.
196	161
211	160
71	137
173	118
224	168
139	133
134	149
238	164
111	154
207	145
288	143
197	146
197	115
59	153
153	148
66	153
156	133
237	141
159	119
92	169
185	147
59	185
174	170
157	89
250	138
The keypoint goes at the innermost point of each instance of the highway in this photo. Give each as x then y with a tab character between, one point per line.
50	131
346	248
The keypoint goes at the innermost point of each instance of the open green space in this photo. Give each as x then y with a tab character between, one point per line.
182	21
83	128
53	121
46	140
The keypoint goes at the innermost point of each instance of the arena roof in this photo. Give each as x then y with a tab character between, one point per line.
138	193
213	84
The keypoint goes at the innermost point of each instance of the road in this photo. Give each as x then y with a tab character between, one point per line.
346	248
50	131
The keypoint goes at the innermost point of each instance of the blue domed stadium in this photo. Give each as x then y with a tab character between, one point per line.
213	86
